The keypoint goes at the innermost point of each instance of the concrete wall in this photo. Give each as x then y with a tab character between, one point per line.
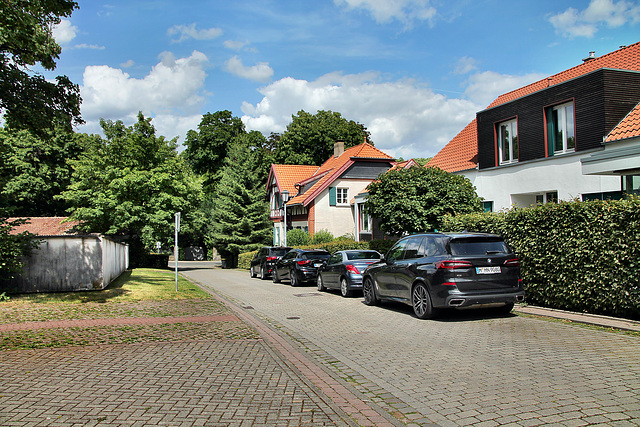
518	184
71	263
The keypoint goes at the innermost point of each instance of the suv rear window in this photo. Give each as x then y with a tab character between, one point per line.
315	255
279	252
478	247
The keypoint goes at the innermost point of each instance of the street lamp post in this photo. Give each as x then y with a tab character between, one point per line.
285	199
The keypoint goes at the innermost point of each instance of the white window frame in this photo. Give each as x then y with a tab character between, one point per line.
342	196
364	218
512	127
565	126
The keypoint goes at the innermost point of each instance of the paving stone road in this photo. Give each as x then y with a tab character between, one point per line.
474	368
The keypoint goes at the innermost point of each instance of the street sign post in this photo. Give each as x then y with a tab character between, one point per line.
175	250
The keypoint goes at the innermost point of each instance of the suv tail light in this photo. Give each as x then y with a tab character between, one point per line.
304	262
451	264
272	258
515	262
352	268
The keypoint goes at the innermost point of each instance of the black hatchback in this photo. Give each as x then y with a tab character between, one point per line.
454	270
299	266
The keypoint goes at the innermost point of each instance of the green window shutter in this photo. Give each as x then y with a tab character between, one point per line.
551	134
332	196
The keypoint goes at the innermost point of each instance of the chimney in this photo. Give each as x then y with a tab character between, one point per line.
592	55
338	148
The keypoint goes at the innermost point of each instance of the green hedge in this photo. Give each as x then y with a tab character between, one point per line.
578	256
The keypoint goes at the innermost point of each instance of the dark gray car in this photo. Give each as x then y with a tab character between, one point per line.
299	266
436	271
343	270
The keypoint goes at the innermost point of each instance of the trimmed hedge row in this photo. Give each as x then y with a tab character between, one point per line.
382	246
578	256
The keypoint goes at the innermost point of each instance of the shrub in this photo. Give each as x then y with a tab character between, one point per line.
322	236
244	260
297	237
580	256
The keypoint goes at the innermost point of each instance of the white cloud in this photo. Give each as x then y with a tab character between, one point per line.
130	63
172	92
465	65
574	23
88	46
405	119
383	11
64	32
260	72
190	32
483	88
236	45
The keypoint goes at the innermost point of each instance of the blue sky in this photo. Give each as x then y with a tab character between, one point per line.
414	72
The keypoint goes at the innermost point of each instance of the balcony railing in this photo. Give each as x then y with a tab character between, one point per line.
277	213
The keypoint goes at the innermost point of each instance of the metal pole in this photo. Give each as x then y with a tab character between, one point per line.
175	250
285	224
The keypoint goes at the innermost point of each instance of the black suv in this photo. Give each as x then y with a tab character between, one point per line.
299	266
436	271
265	259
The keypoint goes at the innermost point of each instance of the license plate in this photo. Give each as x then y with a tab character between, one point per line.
487	270
317	265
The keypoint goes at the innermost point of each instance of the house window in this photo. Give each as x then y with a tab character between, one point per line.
487	206
561	130
342	196
365	222
508	141
631	184
552	197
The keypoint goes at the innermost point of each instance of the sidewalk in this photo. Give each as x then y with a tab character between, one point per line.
589	319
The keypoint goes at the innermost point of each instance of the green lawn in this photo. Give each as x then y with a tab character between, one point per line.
141	284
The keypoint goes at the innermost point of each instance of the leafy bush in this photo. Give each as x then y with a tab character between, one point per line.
579	256
381	246
244	260
322	236
298	237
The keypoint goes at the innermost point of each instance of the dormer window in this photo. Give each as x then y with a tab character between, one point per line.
561	132
507	133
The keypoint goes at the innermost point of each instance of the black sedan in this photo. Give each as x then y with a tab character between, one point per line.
344	270
299	266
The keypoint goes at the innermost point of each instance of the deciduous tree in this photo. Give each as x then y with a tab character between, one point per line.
33	171
131	184
417	199
309	138
27	99
13	246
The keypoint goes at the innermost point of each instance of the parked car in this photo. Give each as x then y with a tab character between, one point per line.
299	266
343	270
265	259
437	271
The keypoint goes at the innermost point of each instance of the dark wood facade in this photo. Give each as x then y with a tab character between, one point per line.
601	100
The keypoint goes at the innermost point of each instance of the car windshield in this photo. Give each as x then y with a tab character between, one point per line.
478	247
315	255
363	255
279	252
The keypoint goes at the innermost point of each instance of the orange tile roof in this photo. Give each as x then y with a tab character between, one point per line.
629	127
45	226
626	58
288	175
334	166
461	153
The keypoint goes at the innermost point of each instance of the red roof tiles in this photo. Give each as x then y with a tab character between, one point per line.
45	226
461	153
629	127
626	58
